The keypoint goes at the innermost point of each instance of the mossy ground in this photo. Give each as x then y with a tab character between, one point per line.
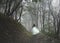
12	32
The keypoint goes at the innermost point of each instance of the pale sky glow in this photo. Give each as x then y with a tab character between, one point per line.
55	3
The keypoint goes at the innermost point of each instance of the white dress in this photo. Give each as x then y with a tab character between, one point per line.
35	30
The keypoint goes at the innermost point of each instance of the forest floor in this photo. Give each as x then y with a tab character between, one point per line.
41	38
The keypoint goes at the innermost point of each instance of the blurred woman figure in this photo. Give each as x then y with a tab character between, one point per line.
35	30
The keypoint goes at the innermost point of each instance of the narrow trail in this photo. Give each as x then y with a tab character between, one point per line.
39	38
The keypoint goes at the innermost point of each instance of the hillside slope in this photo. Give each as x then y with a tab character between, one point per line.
12	31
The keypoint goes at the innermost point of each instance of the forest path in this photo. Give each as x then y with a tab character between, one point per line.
40	38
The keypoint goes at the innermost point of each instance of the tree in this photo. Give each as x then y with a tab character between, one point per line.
36	0
11	6
33	9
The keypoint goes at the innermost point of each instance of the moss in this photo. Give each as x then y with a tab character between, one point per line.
12	31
